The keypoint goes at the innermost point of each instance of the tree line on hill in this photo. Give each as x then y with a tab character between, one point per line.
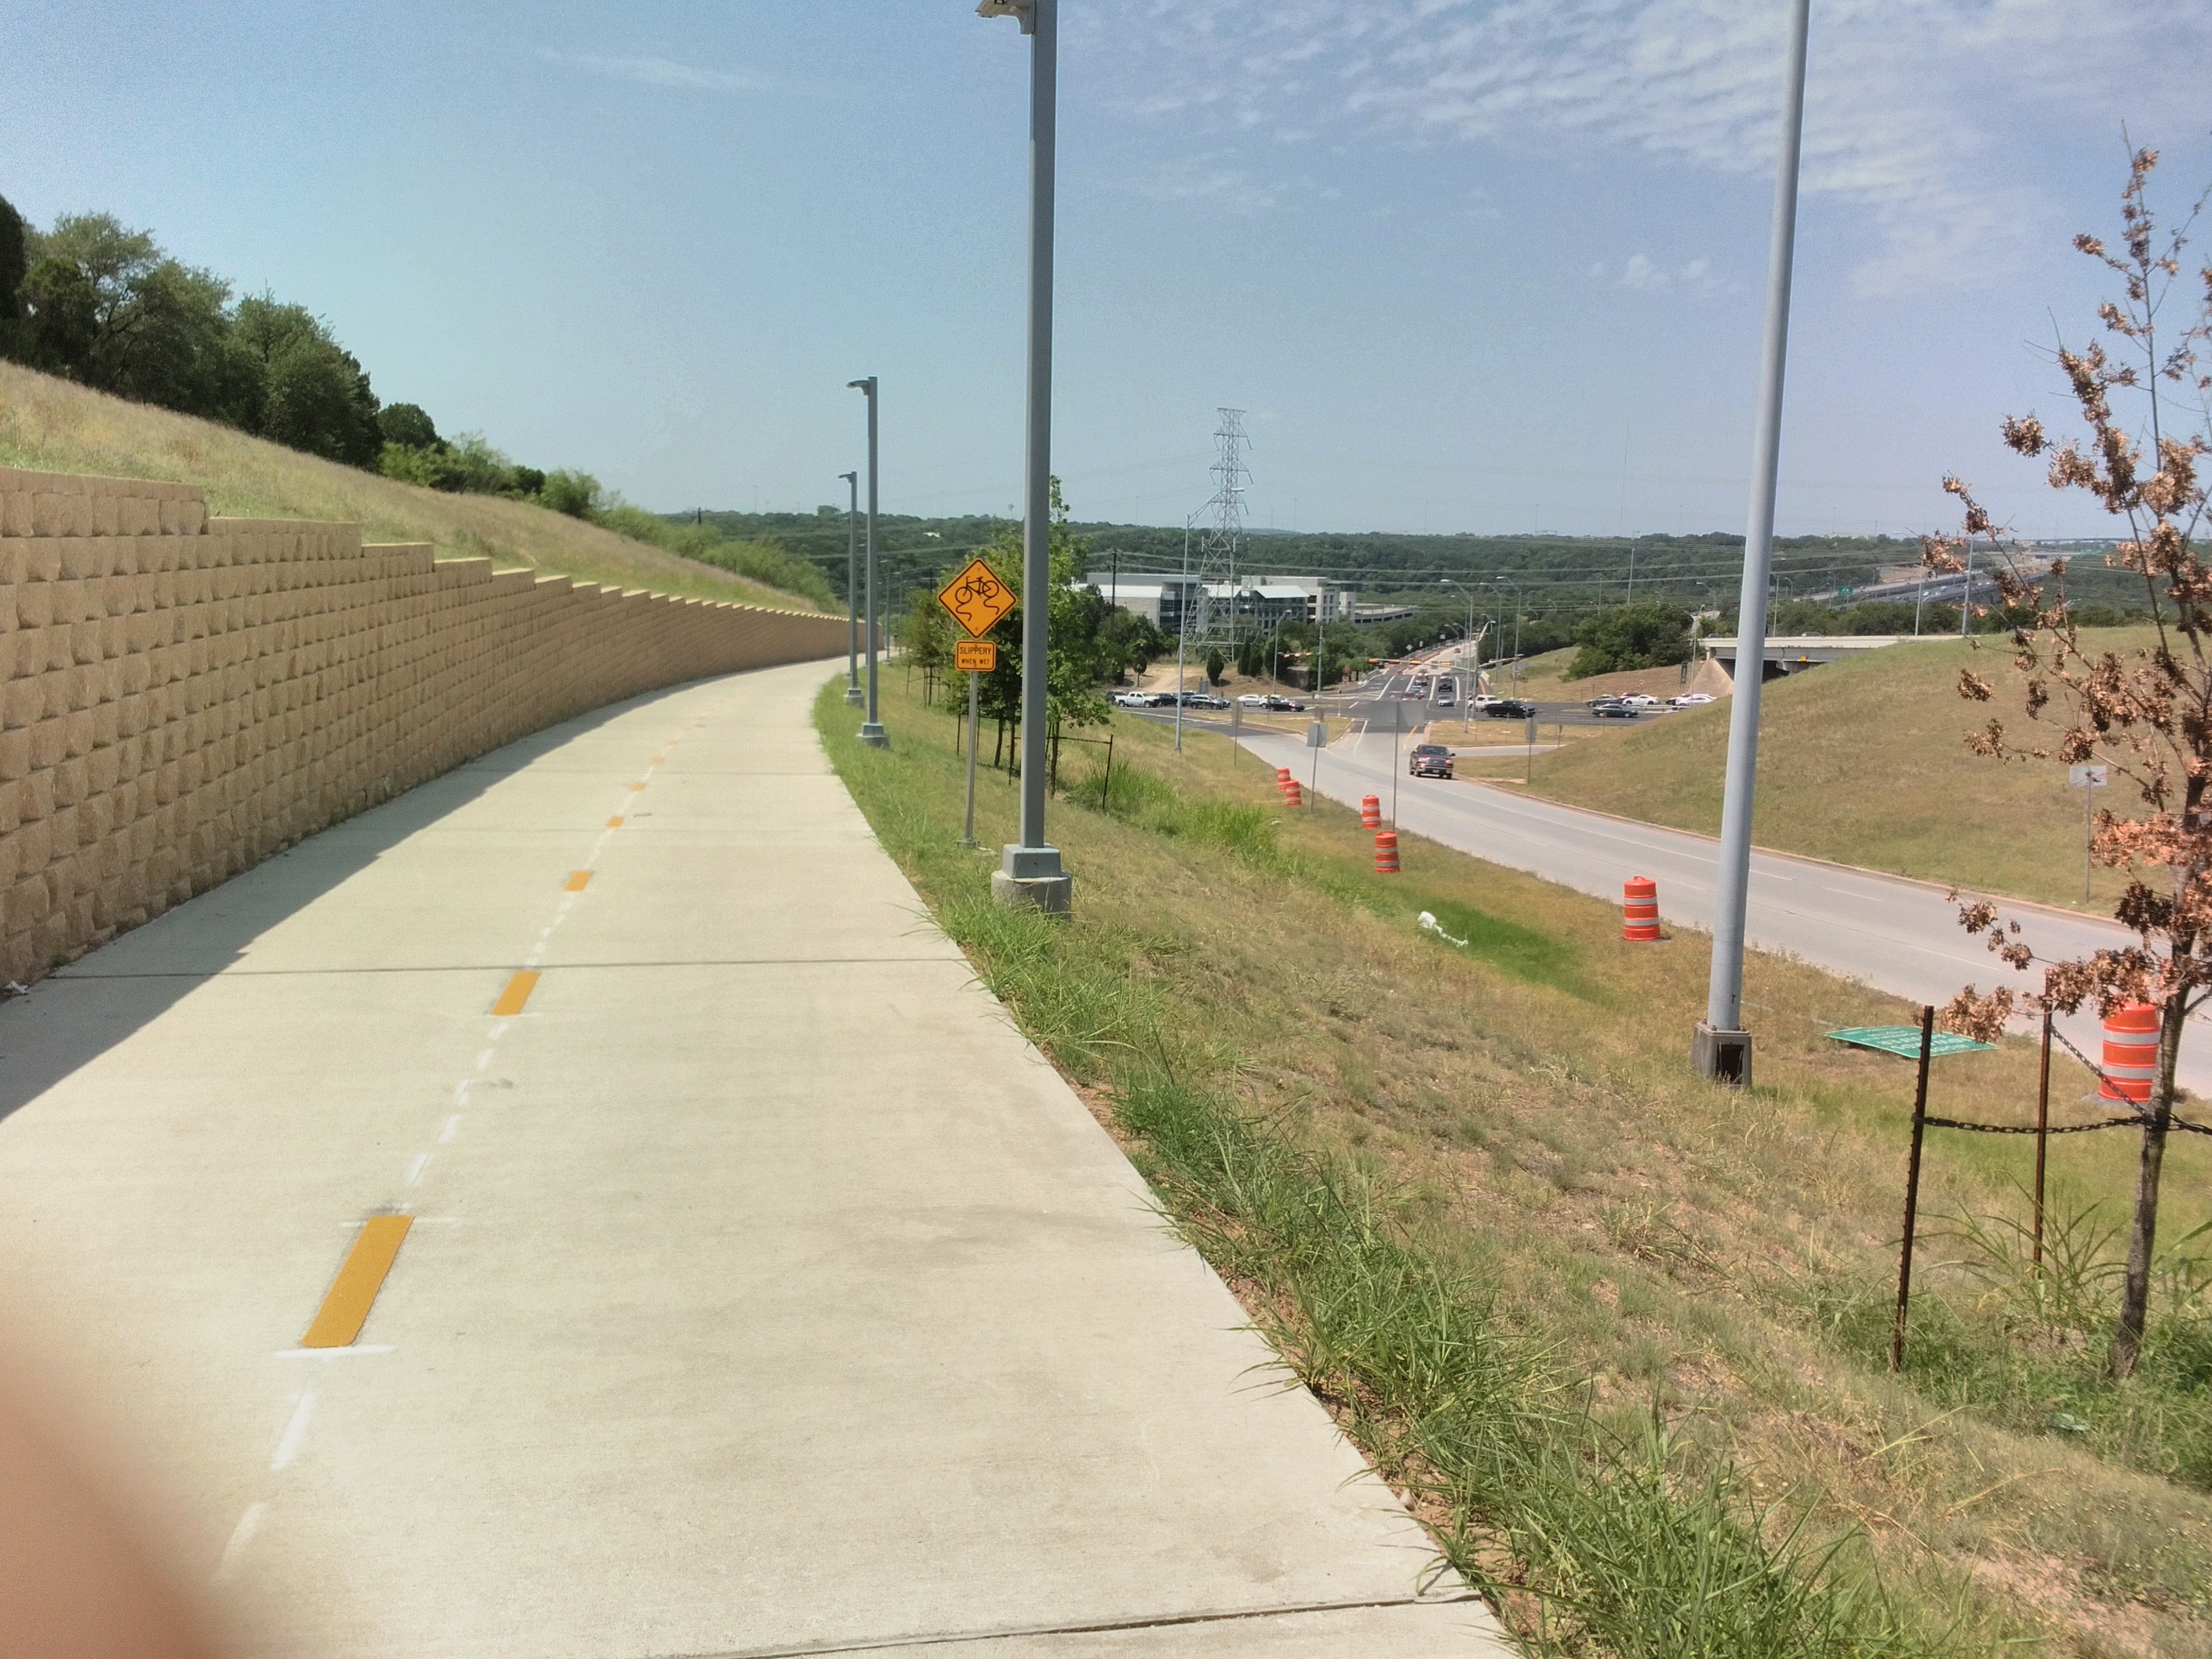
93	301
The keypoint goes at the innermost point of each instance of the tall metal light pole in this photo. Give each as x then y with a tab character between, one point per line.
851	587
872	728
1473	666
1720	1046
1511	672
1030	873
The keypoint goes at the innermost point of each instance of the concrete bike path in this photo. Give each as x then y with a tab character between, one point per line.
764	1291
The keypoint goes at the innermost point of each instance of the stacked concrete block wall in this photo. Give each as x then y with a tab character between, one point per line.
182	695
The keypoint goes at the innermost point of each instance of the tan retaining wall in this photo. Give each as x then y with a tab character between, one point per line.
182	695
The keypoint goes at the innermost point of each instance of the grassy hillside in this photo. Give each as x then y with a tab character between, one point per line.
1476	1196
56	426
1862	761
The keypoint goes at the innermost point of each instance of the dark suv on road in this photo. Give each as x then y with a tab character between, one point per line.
1510	709
1430	760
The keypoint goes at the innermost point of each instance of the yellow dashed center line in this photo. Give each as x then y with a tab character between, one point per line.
580	881
354	1292
517	993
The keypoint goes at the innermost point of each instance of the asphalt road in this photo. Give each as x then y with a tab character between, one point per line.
1901	936
1381	698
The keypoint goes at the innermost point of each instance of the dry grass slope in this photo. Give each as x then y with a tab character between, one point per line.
1864	762
1728	1259
50	425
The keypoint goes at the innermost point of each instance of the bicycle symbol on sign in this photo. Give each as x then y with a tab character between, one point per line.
976	599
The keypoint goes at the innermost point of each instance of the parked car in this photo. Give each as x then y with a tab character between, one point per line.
1615	711
1689	700
1642	700
1203	700
1430	760
1283	706
1508	708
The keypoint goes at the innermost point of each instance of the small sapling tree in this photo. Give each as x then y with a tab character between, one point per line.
2146	713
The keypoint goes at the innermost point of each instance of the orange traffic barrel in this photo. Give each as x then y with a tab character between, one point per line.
1371	813
2130	1052
1294	794
1282	781
1386	853
1640	908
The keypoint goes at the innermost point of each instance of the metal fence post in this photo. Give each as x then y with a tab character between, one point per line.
1913	1188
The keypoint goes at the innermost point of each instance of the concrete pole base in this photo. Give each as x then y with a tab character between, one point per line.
1054	895
854	696
1032	875
1722	1056
873	735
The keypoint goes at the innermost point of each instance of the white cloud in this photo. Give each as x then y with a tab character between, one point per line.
1916	114
1645	275
659	72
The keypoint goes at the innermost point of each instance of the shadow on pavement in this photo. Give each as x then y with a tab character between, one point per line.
109	993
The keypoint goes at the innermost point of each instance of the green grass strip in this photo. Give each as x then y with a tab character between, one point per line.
1636	1544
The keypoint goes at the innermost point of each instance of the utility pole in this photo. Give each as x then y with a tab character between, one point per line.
851	587
872	728
1031	871
1720	1046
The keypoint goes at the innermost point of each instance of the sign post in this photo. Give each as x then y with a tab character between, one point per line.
1397	735
2089	780
976	600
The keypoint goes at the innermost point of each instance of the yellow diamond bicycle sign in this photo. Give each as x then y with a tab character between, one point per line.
976	599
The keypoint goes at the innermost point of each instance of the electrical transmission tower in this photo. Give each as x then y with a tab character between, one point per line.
1213	605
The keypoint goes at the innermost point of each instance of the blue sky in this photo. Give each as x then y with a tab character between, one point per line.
1467	266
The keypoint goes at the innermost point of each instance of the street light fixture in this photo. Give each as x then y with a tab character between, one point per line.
1446	581
851	587
1031	871
1513	671
872	728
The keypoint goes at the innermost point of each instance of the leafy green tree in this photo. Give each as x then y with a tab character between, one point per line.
575	494
1130	642
58	323
107	306
408	425
1080	657
15	264
930	634
315	395
1642	635
1217	667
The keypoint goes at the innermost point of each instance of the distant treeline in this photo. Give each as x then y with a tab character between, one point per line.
92	302
1561	577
